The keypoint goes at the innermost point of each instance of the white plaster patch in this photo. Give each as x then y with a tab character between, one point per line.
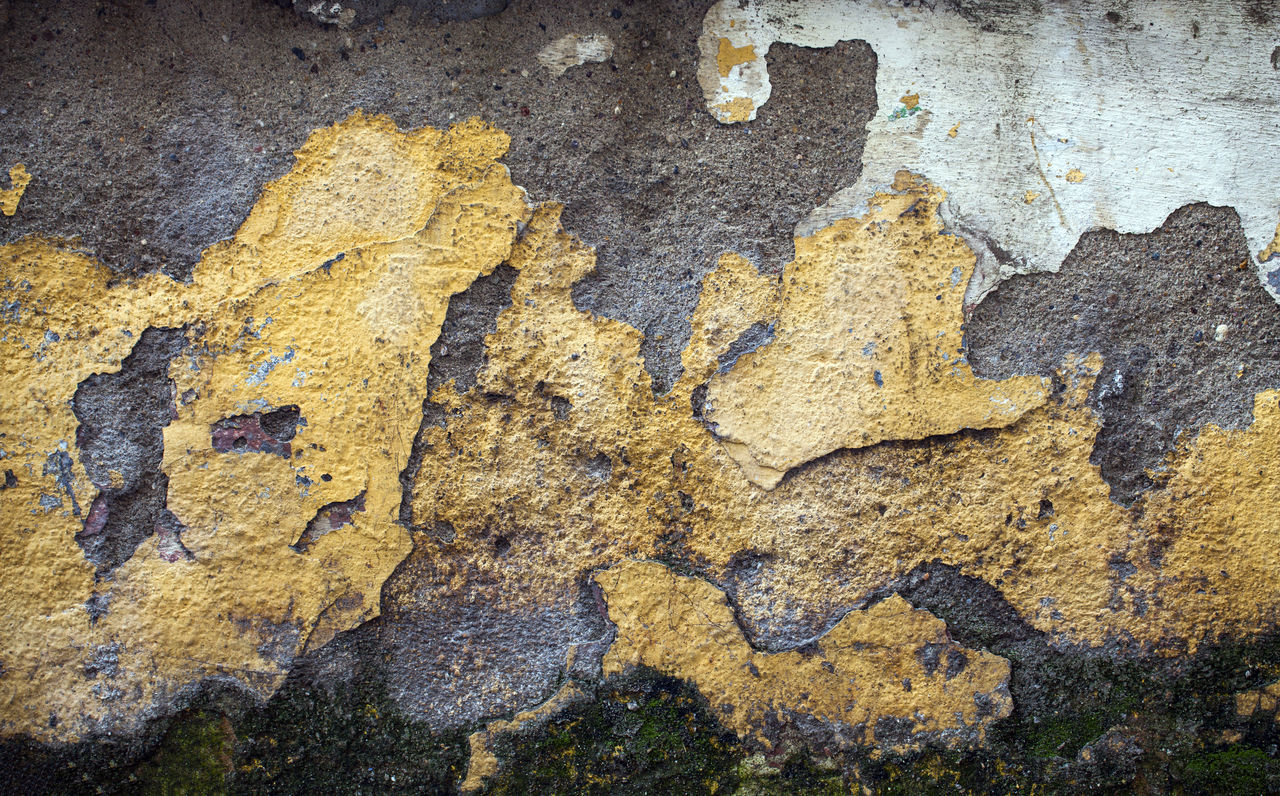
1061	121
574	50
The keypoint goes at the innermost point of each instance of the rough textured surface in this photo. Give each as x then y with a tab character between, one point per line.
121	442
867	345
174	115
373	228
1032	158
348	466
888	675
1186	336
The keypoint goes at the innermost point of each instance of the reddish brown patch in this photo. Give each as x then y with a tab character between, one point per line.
329	518
260	432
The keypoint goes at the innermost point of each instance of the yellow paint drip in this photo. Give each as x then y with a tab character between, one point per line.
19	179
328	299
887	662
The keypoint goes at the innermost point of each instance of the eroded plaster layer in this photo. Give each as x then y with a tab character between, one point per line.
562	460
1040	123
318	315
867	345
880	676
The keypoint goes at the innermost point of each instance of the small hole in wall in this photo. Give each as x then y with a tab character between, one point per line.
560	407
240	444
501	545
1275	58
1114	17
1046	509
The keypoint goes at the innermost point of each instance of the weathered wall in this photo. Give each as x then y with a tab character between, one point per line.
545	397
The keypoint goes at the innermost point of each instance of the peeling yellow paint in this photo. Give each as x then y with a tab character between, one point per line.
887	662
954	131
728	56
328	298
1259	700
1021	506
1075	175
563	450
1272	249
19	179
483	762
869	333
735	110
1210	528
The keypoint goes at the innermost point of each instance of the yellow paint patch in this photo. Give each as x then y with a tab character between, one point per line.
869	332
910	101
1210	528
738	109
1259	700
954	131
1272	249
564	452
1030	196
328	299
19	179
58	329
1075	175
887	662
728	56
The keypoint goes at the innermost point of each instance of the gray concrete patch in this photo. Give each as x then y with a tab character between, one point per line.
121	444
1152	305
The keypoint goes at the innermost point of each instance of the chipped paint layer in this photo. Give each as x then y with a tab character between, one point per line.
880	674
868	345
573	50
342	271
1146	152
19	179
1265	700
562	461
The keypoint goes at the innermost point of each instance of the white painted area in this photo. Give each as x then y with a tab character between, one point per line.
575	50
1177	103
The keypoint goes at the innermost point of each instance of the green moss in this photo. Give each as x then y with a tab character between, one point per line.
1236	770
194	757
646	734
349	740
